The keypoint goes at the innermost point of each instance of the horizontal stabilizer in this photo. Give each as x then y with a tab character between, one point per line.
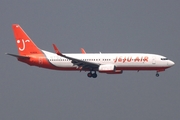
17	56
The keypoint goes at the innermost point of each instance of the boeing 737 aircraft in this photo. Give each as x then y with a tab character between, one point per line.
110	63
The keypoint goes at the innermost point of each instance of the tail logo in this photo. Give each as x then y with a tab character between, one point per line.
23	42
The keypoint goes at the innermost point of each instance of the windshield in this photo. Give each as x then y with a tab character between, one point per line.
164	58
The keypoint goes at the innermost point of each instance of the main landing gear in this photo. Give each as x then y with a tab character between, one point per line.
93	75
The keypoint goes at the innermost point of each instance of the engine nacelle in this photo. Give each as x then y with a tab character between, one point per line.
107	68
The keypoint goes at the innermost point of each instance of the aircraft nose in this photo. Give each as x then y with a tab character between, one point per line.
170	63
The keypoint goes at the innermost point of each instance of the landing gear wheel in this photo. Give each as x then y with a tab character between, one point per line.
89	75
157	74
94	75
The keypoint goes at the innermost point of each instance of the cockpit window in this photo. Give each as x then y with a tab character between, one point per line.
164	58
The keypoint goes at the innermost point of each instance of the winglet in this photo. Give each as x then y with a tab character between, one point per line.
56	50
83	51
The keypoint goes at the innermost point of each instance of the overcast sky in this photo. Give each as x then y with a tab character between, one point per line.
32	93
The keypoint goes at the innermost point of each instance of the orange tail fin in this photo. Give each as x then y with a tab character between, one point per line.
24	43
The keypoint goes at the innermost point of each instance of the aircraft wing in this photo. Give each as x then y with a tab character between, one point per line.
78	62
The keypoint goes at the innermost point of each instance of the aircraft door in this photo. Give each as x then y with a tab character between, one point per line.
153	60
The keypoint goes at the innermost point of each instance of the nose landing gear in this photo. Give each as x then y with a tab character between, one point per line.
157	74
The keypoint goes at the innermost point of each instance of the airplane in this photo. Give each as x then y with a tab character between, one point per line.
109	63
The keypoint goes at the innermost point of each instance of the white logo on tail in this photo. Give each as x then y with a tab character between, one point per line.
24	45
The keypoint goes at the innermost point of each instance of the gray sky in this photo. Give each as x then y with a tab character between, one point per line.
149	26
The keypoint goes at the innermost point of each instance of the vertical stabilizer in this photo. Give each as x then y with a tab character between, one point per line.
24	43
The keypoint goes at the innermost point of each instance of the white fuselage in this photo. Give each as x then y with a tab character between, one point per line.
124	61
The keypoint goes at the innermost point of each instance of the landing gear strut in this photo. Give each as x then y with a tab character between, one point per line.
93	75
